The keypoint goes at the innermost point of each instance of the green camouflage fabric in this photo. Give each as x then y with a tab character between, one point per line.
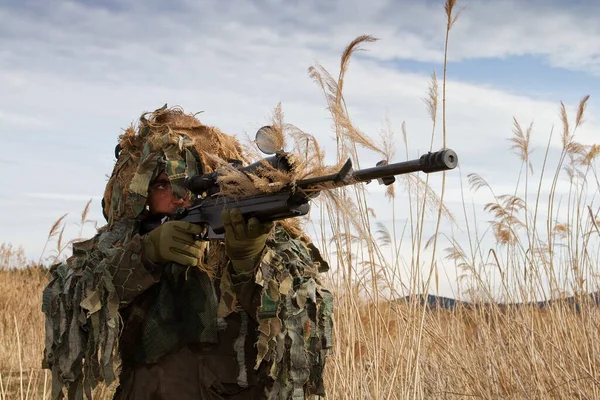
295	317
81	306
82	301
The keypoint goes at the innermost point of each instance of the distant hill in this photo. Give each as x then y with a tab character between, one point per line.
435	302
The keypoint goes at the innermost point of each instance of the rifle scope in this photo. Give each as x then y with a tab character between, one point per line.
207	183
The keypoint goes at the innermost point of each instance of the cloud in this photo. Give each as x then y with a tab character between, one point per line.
62	196
105	41
22	121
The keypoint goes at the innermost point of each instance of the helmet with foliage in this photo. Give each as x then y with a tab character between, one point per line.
166	140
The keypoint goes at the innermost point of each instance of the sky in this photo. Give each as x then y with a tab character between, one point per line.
75	73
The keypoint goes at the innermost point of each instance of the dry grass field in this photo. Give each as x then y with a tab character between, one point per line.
383	351
392	349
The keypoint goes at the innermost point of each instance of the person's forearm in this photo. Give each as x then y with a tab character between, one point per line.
244	286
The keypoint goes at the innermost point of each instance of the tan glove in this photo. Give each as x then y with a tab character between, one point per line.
173	241
244	242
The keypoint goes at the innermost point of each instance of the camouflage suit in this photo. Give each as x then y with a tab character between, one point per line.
183	332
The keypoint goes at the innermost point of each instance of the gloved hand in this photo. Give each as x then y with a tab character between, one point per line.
244	242
173	241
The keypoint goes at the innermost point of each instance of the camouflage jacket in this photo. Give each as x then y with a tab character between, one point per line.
104	298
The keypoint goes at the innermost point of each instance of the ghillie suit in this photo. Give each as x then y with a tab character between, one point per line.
270	327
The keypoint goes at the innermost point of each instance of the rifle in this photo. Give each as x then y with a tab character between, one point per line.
292	200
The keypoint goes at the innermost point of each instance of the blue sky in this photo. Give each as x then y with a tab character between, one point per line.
75	73
529	75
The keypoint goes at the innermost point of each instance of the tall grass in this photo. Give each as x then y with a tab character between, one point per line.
12	257
544	246
21	334
397	349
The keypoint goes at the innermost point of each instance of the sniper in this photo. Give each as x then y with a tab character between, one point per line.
147	305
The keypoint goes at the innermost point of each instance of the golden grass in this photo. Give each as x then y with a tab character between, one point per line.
383	350
400	351
21	334
11	256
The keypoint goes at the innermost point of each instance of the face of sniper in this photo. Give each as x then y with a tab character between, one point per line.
161	199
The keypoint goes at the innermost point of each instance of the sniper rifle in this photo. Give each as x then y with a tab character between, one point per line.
293	200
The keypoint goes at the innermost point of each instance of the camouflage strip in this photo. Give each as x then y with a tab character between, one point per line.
228	299
299	370
262	345
239	347
326	318
78	328
295	317
144	173
191	164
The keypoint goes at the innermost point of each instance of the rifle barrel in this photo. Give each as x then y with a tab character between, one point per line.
432	162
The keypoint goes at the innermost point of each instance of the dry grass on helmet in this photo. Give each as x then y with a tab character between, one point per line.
208	140
208	143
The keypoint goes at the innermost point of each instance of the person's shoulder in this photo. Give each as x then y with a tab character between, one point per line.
106	237
293	241
116	234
